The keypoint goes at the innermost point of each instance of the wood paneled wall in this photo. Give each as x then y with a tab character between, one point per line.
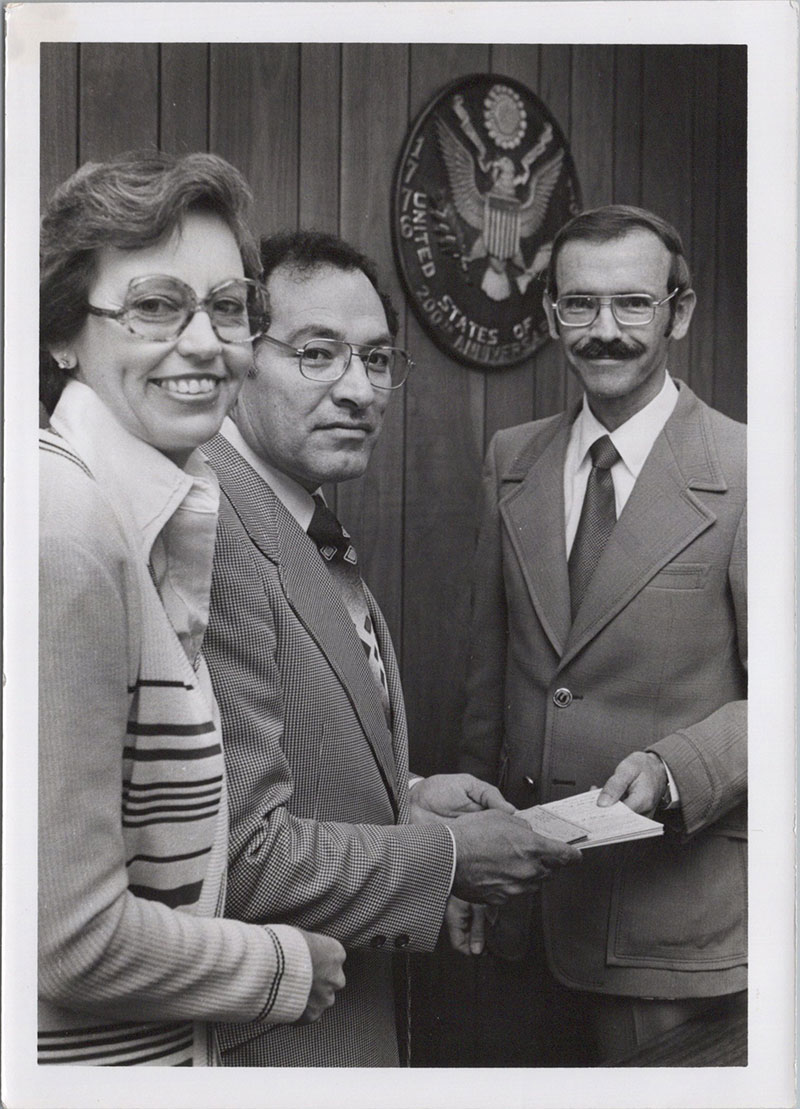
317	129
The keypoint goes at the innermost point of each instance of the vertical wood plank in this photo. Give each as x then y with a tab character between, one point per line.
592	112
626	136
730	377
703	259
118	98
552	383
320	130
444	448
667	162
254	123
374	107
58	82
509	393
667	134
374	116
443	457
184	97
593	117
517	60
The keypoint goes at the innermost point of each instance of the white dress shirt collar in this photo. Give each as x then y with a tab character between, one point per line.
295	499
634	439
142	480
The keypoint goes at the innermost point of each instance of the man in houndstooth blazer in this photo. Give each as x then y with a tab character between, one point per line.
316	753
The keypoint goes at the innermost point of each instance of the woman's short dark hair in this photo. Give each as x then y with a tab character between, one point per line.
600	225
128	202
306	251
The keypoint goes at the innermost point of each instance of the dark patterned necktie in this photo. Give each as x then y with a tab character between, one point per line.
598	517
340	556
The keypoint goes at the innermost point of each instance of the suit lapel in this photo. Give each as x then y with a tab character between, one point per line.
310	591
399	725
313	595
533	514
661	517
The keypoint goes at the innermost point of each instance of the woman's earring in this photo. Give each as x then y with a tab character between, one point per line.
66	361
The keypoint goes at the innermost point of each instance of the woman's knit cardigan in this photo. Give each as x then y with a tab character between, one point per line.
132	804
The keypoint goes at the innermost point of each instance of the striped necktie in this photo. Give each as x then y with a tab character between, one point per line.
597	520
340	556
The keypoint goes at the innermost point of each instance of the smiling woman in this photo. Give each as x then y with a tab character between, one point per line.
149	306
168	385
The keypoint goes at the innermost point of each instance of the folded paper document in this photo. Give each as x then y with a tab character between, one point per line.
581	821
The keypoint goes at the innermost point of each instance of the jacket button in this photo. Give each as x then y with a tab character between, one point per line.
403	940
562	697
377	941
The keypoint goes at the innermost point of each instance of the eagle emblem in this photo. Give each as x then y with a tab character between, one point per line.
484	181
511	210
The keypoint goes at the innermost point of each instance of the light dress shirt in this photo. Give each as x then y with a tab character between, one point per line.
299	502
295	499
634	440
174	510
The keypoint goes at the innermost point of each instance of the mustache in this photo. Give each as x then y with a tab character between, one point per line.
615	349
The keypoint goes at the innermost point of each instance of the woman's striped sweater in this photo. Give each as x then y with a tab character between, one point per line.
132	805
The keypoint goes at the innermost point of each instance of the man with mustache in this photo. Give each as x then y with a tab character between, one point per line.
609	646
322	825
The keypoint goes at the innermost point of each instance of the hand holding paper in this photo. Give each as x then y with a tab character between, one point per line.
588	824
498	856
639	780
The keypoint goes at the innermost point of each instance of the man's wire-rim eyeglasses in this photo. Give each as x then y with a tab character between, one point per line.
159	308
327	360
628	309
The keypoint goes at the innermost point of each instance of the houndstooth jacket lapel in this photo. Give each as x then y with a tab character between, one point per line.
312	594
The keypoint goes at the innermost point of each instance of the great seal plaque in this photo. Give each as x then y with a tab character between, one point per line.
484	181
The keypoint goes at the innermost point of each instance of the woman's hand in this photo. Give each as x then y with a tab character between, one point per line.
466	925
327	956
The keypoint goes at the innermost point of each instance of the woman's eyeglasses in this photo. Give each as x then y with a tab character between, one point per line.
159	308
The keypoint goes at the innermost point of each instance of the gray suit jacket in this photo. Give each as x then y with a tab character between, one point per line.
655	659
318	782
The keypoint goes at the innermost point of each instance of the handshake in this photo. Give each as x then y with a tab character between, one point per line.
498	855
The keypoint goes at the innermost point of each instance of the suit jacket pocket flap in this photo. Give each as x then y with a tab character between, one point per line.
680	575
680	906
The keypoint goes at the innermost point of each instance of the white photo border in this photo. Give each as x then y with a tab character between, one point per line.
769	29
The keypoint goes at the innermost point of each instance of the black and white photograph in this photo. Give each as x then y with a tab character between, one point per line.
381	687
